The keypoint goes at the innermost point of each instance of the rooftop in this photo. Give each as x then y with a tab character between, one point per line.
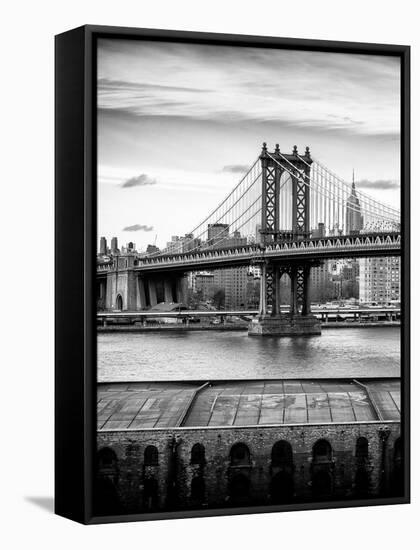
141	405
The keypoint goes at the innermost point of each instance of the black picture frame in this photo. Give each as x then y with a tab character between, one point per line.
75	267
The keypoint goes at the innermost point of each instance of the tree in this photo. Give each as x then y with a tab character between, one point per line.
219	298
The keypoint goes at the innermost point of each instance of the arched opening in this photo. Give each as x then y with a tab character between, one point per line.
150	494
322	451
151	456
239	489
322	479
198	490
106	459
239	455
119	302
397	476
361	483
281	454
362	448
282	488
322	484
198	454
106	499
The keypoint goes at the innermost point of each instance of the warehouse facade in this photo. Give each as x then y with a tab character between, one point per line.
176	468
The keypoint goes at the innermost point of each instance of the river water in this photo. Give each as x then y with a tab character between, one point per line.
216	355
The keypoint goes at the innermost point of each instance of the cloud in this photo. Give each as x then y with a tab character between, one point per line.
378	184
138	227
235	168
106	84
229	84
137	181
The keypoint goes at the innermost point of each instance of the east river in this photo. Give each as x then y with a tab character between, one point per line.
212	355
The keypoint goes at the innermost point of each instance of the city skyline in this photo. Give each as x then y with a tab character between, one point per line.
171	149
222	232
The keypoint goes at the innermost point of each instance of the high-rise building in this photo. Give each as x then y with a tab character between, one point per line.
345	278
379	280
204	285
189	243
152	249
235	240
114	246
174	246
354	218
234	283
321	286
319	232
217	233
180	245
218	236
103	247
258	236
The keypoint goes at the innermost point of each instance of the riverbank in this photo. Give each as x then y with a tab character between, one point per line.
229	327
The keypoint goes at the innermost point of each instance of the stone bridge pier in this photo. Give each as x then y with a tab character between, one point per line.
124	289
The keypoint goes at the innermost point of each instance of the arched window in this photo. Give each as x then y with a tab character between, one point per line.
119	302
198	454
322	451
151	456
107	459
198	490
362	448
239	455
281	454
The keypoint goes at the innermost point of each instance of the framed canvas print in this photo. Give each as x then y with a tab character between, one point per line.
232	274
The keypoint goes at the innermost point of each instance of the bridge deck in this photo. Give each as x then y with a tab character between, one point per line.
135	406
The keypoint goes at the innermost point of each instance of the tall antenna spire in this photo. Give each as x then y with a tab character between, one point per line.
353	184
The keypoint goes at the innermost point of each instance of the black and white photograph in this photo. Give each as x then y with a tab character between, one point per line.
210	335
248	277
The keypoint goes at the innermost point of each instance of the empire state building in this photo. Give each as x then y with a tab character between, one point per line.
354	218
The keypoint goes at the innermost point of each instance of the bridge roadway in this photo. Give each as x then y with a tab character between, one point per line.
342	246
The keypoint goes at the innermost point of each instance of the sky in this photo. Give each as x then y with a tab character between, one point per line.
178	124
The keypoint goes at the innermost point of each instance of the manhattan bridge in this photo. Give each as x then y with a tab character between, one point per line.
286	215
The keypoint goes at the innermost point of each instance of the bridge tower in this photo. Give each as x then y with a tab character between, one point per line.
299	320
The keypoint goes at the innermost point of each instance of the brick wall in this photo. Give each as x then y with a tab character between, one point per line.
252	483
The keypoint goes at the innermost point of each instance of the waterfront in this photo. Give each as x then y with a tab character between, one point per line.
202	355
